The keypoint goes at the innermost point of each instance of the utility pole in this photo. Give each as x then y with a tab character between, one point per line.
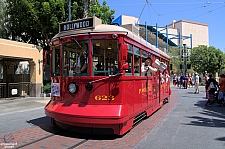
69	11
86	3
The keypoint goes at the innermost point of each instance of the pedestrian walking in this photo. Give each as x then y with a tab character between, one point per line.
186	81
182	77
211	86
190	81
178	80
221	97
174	80
205	80
196	80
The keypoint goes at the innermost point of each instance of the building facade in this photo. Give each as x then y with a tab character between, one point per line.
197	31
20	69
179	32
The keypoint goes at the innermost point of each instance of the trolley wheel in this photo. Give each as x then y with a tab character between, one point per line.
60	125
53	122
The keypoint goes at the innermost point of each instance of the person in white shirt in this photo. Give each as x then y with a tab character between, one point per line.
196	80
164	76
146	67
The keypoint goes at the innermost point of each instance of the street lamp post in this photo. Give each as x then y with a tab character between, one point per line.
185	59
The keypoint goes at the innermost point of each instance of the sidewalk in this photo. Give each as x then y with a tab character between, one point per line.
5	100
22	104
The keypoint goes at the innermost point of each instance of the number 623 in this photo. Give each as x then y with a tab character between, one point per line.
104	97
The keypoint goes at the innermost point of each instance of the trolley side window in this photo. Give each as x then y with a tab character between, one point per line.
144	57
56	60
105	57
129	60
136	61
149	55
75	58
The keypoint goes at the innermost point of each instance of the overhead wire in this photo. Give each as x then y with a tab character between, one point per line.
180	11
149	12
185	3
142	11
208	12
170	3
207	4
153	8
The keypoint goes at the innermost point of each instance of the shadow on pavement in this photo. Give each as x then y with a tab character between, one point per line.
215	112
44	123
68	131
211	117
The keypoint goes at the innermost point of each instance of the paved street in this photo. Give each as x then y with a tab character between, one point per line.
22	104
18	113
188	125
183	123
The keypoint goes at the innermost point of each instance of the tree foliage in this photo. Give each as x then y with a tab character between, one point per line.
33	21
202	58
175	59
103	12
36	21
205	58
3	29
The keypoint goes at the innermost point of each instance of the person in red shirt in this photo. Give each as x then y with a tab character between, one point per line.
221	95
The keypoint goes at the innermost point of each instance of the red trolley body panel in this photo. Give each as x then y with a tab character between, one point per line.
116	101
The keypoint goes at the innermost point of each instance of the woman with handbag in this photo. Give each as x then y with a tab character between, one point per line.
211	87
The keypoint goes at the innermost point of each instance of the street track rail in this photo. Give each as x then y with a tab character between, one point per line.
49	136
32	142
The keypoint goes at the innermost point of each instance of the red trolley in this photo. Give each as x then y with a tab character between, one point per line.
96	77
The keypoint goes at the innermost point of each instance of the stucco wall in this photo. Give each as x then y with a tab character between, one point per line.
18	51
199	31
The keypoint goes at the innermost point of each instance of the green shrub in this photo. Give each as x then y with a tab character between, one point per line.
47	88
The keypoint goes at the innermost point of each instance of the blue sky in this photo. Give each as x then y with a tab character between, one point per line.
163	12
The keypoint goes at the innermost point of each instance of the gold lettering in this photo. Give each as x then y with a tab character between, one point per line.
139	90
111	98
97	97
104	97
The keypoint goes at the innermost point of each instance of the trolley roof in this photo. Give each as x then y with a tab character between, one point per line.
94	26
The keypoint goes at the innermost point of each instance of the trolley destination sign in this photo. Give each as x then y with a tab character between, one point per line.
75	25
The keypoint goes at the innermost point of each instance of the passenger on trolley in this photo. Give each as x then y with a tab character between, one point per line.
146	67
165	75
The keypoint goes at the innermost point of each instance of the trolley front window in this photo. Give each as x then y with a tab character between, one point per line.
105	57
75	58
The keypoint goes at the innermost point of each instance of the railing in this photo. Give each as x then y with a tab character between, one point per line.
3	91
20	89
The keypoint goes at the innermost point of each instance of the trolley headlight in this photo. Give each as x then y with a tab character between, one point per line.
73	88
